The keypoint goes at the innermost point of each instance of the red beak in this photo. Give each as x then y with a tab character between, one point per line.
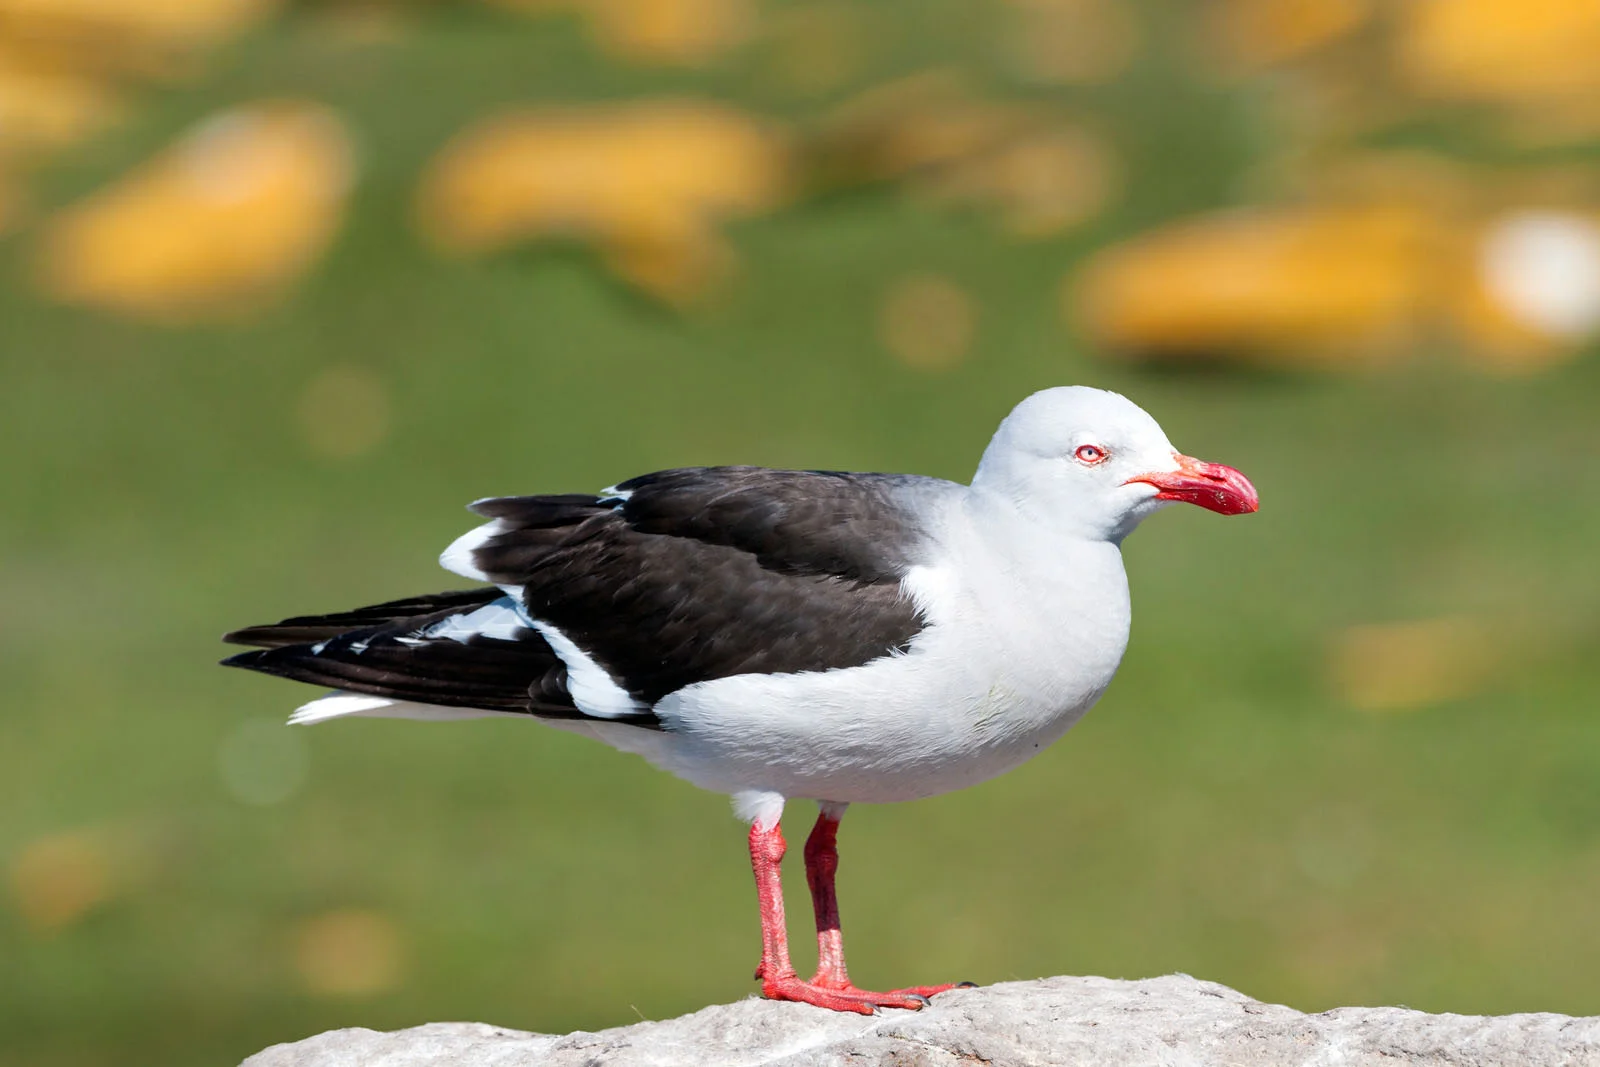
1211	485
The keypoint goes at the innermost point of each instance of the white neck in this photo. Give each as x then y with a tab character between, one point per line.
1047	598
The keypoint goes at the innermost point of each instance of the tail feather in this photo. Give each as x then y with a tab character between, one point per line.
473	650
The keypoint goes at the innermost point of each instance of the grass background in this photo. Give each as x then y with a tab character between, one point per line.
1220	812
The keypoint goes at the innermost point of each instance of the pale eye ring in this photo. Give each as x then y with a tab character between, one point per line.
1089	455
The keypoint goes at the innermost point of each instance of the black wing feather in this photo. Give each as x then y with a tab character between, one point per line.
415	610
691	575
395	659
828	523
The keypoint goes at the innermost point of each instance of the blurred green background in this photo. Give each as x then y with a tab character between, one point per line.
1352	756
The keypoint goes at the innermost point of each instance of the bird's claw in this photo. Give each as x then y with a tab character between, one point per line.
926	991
847	997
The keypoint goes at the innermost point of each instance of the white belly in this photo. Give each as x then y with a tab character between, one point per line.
967	703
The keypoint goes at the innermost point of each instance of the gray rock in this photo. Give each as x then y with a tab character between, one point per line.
1176	1021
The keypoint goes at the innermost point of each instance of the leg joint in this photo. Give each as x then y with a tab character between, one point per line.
767	844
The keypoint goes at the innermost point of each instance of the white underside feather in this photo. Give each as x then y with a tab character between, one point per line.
339	705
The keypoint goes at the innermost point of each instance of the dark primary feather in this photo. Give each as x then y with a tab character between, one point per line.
310	629
347	651
700	573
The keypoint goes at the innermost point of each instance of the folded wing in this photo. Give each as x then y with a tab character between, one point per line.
602	605
690	575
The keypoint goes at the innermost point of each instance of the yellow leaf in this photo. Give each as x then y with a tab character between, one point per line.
41	110
670	32
647	182
1492	50
220	222
1289	281
186	22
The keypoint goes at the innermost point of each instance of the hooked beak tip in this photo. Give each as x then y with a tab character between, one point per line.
1213	486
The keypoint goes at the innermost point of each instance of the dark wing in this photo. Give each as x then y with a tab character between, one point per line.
823	523
464	649
684	576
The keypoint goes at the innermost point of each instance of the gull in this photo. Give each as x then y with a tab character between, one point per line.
776	635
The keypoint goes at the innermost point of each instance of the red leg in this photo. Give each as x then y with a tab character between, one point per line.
778	978
822	864
766	858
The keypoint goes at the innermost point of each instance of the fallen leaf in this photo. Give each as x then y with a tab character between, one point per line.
221	222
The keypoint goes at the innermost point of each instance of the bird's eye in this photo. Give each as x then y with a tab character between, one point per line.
1089	455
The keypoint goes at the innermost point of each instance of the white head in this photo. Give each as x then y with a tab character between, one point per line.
1092	464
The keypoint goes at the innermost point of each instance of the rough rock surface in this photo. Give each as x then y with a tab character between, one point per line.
1176	1021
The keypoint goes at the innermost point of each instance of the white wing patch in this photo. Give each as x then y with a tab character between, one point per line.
500	620
457	559
593	690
